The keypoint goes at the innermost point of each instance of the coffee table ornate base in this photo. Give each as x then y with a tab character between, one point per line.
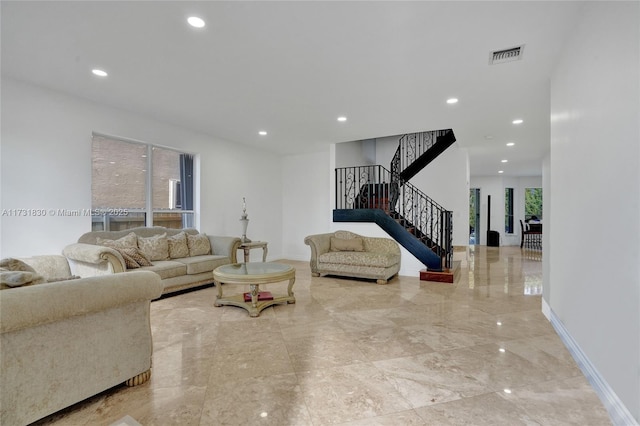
254	274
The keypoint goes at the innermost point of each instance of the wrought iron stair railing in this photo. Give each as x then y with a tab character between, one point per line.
416	150
375	187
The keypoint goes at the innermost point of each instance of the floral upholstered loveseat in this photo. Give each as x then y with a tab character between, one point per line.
347	254
64	339
183	258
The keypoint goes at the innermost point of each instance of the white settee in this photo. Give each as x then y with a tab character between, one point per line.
179	270
62	342
347	254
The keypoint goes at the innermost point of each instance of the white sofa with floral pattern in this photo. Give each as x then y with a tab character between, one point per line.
183	258
347	254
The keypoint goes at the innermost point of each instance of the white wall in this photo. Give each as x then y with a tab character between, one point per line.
46	164
356	153
306	205
595	195
446	181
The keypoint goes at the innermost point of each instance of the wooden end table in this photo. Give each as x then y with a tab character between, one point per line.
246	247
253	274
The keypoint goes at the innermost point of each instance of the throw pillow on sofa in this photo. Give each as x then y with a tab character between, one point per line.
178	246
16	273
127	246
129	240
351	244
199	244
155	248
133	257
10	279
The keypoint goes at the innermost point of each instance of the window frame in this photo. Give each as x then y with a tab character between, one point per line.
527	216
188	216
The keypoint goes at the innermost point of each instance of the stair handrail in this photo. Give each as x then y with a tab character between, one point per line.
429	218
349	185
412	145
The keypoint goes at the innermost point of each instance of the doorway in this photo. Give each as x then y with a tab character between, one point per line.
474	216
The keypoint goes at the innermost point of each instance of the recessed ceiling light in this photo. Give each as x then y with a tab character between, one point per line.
518	121
500	171
99	73
452	100
196	22
507	391
343	118
504	161
510	144
262	133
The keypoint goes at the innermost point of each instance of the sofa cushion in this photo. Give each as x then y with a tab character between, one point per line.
351	244
133	257
10	279
206	263
129	240
129	262
166	269
155	247
16	273
11	264
199	244
382	260
178	247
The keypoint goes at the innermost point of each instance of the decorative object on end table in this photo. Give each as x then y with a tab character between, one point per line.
262	295
245	222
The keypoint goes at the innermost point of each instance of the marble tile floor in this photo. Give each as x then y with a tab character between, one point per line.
351	352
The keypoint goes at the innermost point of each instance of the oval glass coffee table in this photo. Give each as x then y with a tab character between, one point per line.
253	274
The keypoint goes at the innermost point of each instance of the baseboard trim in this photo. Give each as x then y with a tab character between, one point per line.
618	412
296	257
546	309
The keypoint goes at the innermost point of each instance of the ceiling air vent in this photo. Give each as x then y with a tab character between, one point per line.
506	55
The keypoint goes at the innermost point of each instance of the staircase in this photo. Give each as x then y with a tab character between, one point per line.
416	150
385	197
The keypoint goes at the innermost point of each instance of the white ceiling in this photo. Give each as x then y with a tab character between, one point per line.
291	68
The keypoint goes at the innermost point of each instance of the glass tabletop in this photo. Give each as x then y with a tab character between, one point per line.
253	268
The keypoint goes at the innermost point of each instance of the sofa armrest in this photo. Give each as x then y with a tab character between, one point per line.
51	267
320	244
225	246
100	257
39	304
